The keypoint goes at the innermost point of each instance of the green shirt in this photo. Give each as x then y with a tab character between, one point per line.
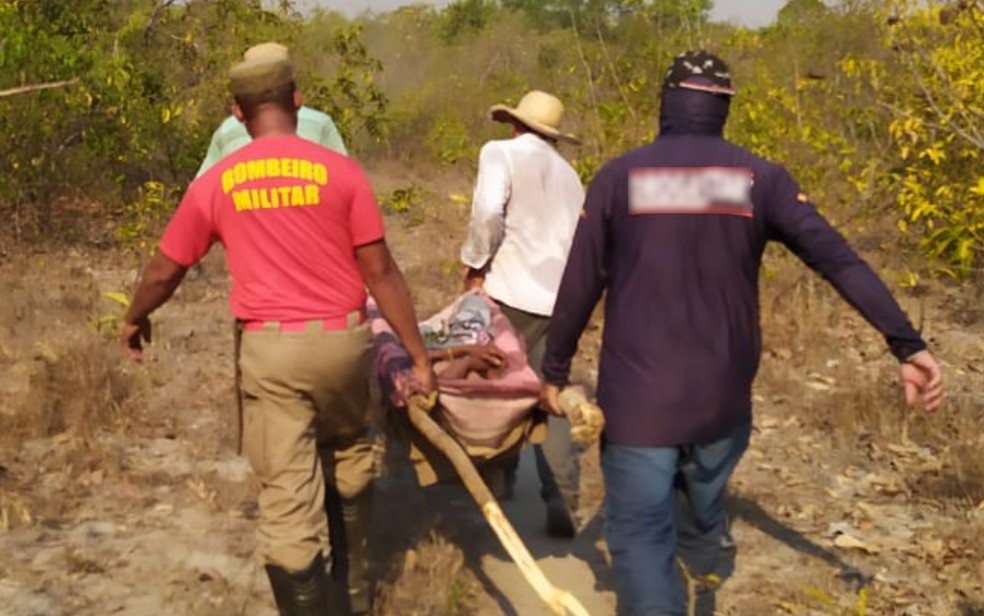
231	135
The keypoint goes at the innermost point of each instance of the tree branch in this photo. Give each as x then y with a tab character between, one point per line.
38	86
970	135
958	105
613	71
592	92
155	17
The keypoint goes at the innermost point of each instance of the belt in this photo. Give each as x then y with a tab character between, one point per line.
352	319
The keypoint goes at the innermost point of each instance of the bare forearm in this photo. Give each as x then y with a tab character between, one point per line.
386	284
474	278
158	282
457	369
393	299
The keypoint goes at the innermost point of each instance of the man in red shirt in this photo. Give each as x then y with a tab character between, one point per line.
303	237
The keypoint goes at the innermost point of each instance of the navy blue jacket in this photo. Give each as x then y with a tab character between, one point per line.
675	232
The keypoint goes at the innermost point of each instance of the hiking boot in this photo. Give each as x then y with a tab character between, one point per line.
307	593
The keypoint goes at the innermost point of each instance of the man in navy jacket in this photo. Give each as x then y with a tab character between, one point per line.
675	232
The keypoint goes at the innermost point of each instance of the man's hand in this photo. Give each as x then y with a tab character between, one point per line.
158	282
485	355
474	279
424	380
922	381
550	399
133	335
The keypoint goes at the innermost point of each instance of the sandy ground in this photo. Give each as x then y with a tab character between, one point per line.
577	566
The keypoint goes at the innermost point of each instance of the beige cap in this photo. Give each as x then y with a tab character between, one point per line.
539	111
259	75
267	51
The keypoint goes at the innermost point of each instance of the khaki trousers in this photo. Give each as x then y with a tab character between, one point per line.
557	457
306	412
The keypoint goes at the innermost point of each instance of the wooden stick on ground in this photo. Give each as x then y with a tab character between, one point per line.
559	601
38	86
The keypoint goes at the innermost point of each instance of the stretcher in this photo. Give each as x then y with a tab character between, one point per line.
490	418
472	421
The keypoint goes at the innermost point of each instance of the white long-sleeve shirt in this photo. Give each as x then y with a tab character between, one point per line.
524	212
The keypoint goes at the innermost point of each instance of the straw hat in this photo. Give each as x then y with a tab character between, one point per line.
540	112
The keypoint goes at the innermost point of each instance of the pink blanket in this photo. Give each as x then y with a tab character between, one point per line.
480	412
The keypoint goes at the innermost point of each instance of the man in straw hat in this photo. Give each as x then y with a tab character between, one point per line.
312	124
675	232
304	238
524	211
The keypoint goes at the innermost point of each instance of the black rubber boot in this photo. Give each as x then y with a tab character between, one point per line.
348	526
356	512
309	592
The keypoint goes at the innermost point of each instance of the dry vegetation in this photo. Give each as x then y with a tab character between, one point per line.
120	490
875	504
432	581
65	385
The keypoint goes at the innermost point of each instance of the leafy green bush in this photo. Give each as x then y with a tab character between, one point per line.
938	131
449	142
406	202
880	117
151	89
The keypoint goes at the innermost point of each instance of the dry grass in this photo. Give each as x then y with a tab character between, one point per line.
14	511
825	366
834	372
77	389
73	379
432	581
66	384
812	338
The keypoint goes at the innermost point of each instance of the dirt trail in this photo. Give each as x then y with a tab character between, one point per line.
574	566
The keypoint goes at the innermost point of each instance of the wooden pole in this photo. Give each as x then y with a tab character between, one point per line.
559	601
38	86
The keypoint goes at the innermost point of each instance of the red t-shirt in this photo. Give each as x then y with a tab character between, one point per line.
289	213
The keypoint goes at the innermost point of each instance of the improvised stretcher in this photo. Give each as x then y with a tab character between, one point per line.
475	420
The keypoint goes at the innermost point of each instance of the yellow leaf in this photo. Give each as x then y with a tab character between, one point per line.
979	188
863	601
119	298
820	596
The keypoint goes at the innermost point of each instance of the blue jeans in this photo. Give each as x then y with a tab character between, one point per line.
662	503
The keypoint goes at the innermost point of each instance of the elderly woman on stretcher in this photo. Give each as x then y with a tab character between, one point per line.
485	361
487	387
